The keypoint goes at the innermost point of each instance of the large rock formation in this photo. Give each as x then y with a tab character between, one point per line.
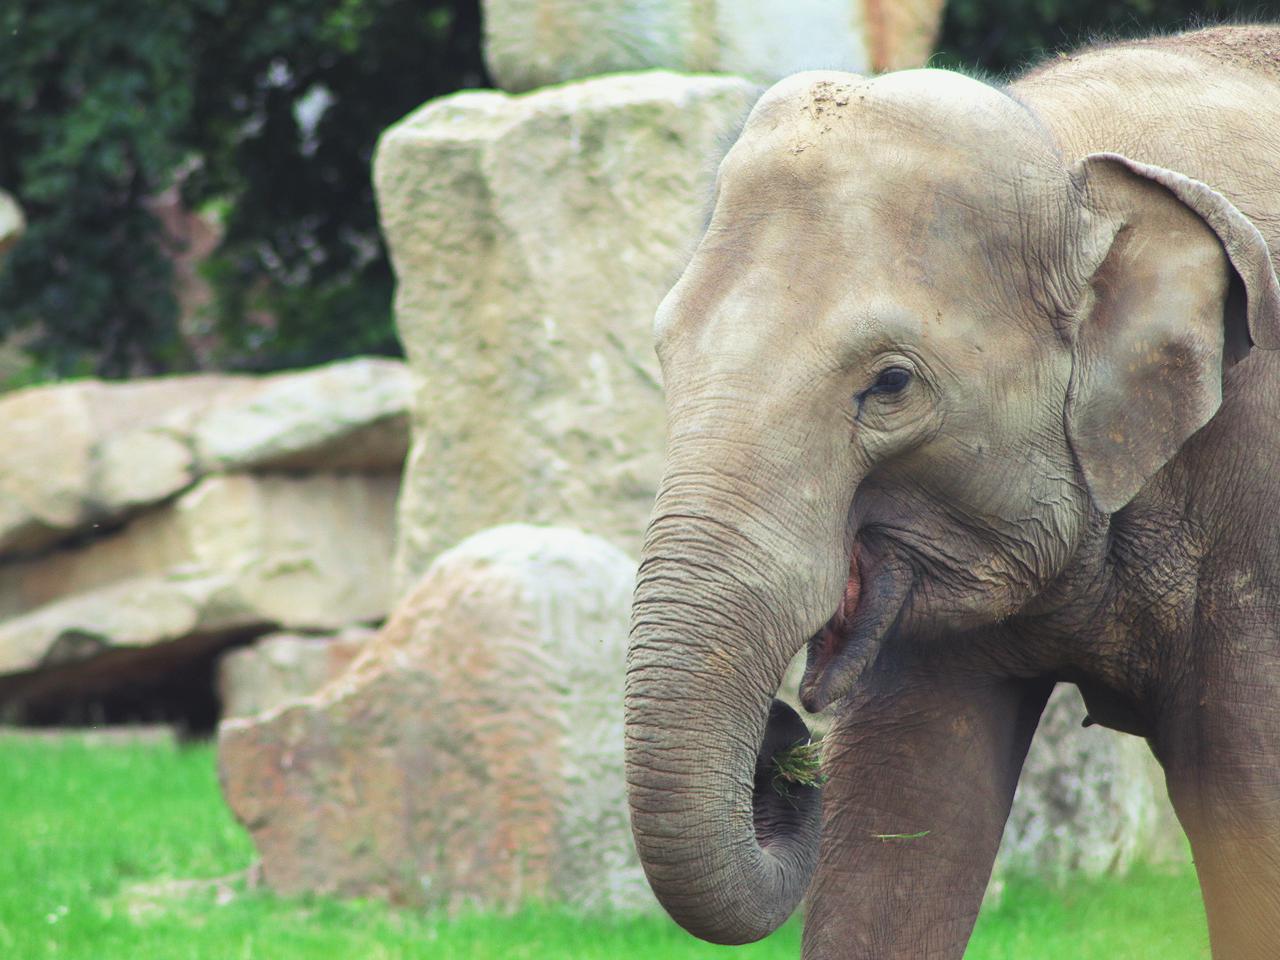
283	667
86	453
145	525
234	555
531	43
351	415
305	552
533	238
473	755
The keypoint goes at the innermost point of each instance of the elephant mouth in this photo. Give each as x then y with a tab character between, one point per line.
874	595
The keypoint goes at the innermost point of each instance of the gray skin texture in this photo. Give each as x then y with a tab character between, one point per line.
1077	483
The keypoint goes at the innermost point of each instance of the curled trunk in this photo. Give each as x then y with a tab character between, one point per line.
727	845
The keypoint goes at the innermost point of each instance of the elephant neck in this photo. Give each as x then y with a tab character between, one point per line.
1123	609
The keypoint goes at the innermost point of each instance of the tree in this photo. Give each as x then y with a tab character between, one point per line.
90	97
289	101
270	110
268	115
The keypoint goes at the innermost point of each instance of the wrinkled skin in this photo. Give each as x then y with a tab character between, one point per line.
974	391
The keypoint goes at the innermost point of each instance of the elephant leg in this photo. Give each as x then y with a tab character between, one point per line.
922	772
1222	764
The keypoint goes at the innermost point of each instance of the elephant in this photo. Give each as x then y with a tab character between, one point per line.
971	389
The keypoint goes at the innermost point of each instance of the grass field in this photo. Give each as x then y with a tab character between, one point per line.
96	841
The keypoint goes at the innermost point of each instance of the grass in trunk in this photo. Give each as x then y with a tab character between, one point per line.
800	764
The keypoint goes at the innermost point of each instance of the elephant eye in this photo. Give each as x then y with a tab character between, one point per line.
891	380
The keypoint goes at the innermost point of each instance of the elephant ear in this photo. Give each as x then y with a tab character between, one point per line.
1181	285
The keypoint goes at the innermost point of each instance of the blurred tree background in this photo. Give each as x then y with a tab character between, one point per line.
264	115
1003	36
263	118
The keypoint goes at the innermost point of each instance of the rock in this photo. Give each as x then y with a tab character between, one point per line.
88	453
533	238
133	613
473	754
1090	801
307	553
350	415
12	223
135	469
284	666
131	561
138	616
68	447
136	649
532	43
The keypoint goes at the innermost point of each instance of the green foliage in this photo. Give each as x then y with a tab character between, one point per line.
267	114
1001	36
800	764
290	98
270	110
90	97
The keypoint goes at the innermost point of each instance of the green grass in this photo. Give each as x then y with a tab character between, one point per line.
800	764
89	836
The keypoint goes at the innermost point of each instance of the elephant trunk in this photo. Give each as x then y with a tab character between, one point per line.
728	849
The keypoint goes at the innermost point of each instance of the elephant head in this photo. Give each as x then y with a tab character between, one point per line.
914	359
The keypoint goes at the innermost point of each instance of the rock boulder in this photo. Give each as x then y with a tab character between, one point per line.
83	454
533	238
137	616
282	667
302	552
352	415
473	754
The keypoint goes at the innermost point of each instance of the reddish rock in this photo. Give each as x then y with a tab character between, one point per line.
282	667
472	755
